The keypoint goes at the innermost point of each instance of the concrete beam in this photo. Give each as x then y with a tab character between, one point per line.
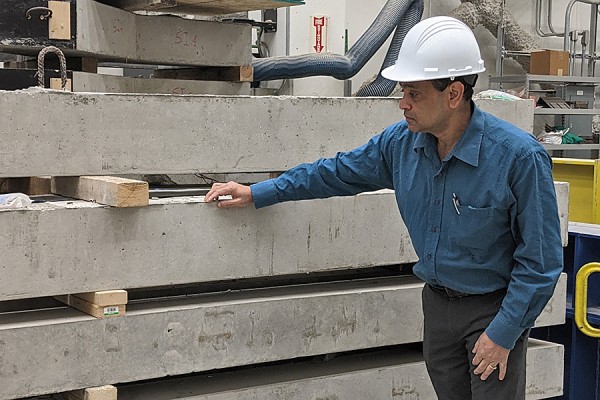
75	246
56	350
110	33
116	134
397	373
69	246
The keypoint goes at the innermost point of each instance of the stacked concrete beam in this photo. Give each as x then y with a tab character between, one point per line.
109	33
57	350
73	246
76	246
101	134
396	373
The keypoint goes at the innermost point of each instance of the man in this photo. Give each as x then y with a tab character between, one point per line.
477	196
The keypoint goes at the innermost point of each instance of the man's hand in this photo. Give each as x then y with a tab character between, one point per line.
488	357
241	195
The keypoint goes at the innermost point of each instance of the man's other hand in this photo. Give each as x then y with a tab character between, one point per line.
489	357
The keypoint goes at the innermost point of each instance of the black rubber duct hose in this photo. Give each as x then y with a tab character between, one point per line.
400	15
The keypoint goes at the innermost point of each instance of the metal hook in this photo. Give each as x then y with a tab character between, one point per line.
41	9
61	59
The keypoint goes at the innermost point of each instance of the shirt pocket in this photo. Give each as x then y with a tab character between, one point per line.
479	227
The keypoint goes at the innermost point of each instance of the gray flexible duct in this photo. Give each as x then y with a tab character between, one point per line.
396	14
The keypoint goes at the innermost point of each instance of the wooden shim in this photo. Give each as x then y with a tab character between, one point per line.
233	74
31	186
59	25
104	298
108	190
116	310
107	392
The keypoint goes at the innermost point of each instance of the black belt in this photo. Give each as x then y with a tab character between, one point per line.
455	294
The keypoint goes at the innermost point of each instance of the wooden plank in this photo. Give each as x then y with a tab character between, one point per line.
108	190
104	298
117	310
31	186
59	25
107	392
203	7
233	74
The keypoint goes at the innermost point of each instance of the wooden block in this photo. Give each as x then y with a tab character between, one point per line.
104	298
59	25
109	190
56	84
233	74
117	310
107	392
32	186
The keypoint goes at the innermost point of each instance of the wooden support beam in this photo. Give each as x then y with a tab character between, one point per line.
31	186
95	310
108	190
244	73
107	392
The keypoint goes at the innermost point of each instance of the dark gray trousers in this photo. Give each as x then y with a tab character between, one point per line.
452	326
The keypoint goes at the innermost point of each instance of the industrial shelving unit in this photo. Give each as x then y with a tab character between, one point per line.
528	79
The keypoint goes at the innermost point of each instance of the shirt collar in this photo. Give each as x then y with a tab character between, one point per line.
469	145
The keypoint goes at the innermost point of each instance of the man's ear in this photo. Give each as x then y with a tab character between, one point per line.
456	91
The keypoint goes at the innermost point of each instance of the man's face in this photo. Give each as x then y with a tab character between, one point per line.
425	108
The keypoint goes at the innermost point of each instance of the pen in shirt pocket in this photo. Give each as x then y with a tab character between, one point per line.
456	203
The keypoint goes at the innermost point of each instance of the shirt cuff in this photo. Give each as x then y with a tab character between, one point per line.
503	333
264	193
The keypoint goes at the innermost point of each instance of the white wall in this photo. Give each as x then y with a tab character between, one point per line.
357	15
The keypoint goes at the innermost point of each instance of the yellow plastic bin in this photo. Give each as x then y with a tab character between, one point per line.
584	187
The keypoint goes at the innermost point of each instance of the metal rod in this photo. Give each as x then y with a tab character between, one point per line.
538	20
593	39
568	18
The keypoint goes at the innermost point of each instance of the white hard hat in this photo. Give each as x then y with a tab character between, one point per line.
435	48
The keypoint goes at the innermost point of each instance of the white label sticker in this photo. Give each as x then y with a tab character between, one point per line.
113	310
580	93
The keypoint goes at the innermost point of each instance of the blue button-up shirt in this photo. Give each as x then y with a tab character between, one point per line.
482	219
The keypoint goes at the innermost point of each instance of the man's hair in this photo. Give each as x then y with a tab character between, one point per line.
468	82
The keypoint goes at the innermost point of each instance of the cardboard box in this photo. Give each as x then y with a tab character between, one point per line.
549	62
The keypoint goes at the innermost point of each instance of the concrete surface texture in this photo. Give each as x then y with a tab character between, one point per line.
115	33
67	247
104	134
55	350
395	373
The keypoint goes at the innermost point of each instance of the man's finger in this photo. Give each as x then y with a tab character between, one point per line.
502	372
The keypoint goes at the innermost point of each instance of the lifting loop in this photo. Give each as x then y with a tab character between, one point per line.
61	59
581	288
46	13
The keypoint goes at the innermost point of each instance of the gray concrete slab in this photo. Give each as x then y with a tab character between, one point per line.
110	33
86	82
397	373
76	246
50	351
104	134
